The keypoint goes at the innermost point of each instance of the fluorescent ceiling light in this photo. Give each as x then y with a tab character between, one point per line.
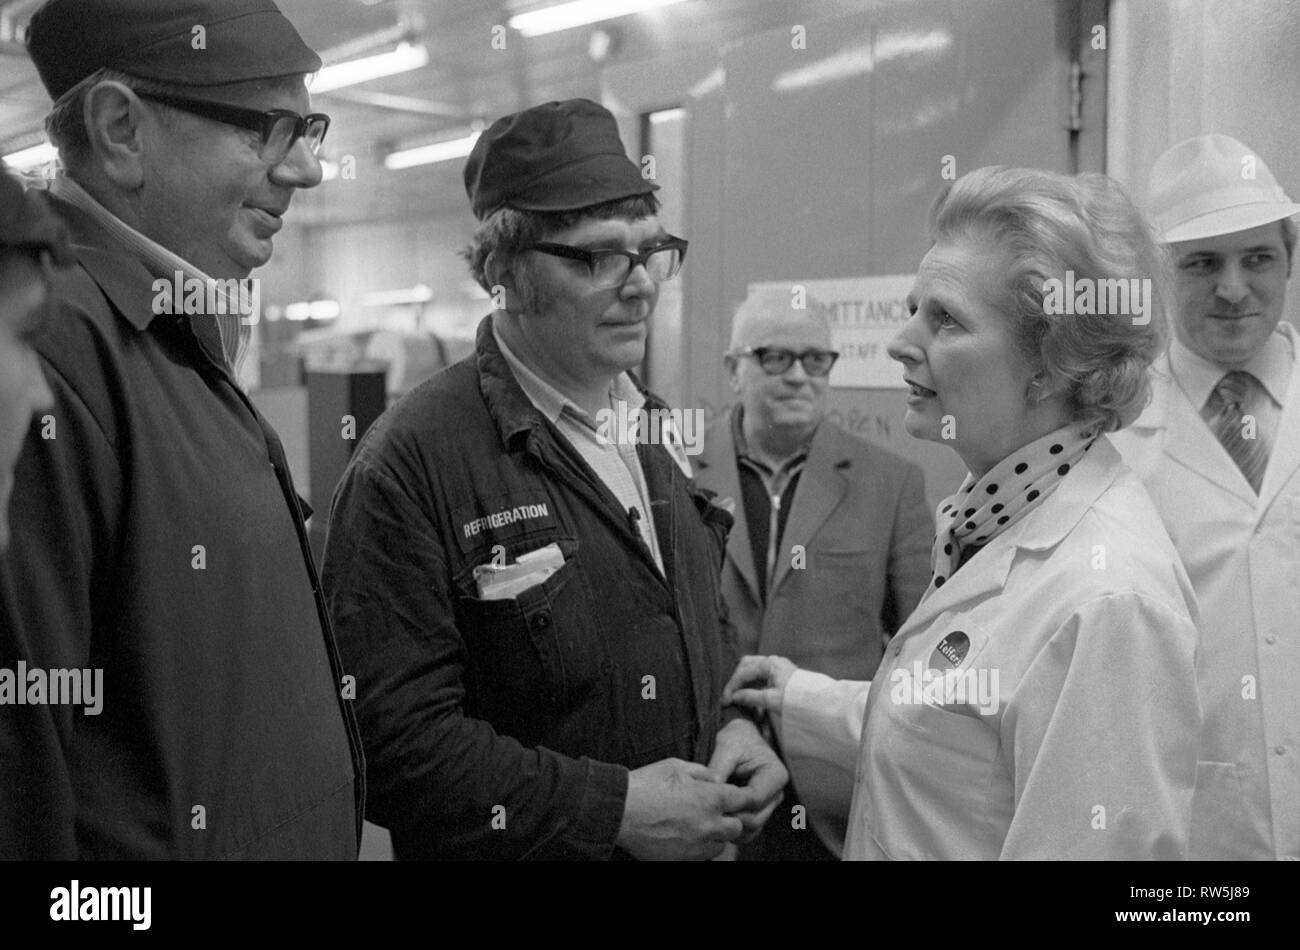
313	310
667	115
564	16
429	154
714	80
864	58
420	293
34	157
403	59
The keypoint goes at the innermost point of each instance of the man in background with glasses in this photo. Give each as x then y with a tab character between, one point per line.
532	608
157	536
831	547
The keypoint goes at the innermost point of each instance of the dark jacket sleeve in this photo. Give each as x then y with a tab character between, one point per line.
66	489
909	551
719	522
730	659
446	784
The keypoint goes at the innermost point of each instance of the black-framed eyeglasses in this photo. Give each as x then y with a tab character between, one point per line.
610	267
776	360
279	128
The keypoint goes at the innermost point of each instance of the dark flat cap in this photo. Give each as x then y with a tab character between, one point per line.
554	157
26	221
239	40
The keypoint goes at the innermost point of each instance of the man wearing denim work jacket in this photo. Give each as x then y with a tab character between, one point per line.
532	608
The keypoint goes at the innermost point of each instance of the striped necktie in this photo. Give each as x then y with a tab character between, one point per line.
1228	414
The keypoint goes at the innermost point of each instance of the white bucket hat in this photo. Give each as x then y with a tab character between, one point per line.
1211	185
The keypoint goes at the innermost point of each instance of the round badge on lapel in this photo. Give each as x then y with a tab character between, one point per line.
951	650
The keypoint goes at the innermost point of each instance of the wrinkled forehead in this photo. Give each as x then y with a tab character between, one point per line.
961	271
784	326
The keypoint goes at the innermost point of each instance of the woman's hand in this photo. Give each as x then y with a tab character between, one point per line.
759	683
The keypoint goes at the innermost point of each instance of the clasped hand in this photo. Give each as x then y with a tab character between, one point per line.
679	810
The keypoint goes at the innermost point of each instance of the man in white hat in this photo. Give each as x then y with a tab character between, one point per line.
1219	451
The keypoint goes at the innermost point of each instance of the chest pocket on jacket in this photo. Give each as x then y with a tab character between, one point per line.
852	580
926	735
534	657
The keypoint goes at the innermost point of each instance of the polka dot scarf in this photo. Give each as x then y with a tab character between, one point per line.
983	509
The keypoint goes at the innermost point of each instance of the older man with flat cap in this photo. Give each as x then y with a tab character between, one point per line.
158	551
1219	451
531	607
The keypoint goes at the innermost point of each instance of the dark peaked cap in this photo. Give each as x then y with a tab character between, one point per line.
554	157
69	40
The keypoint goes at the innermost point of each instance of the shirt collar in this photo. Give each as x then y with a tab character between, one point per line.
159	261
1197	376
551	402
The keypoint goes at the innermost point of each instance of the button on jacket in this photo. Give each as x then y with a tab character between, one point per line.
157	536
1242	552
1070	728
506	728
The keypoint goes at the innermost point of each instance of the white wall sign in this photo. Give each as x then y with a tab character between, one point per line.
865	314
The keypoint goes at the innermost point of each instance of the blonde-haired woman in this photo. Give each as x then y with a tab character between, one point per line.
1041	700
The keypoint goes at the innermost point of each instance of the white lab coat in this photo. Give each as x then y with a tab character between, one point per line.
1242	553
1083	619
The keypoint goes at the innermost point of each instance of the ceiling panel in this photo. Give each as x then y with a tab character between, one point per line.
466	79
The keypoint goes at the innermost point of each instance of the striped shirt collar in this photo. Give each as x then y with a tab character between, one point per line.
235	333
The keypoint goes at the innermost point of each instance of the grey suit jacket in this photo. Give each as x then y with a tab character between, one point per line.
860	520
